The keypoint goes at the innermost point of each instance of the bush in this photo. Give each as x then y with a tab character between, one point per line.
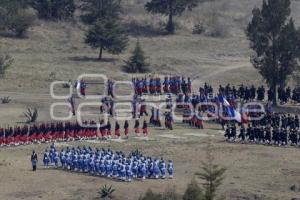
16	19
199	28
5	62
31	115
20	22
193	191
5	100
106	192
149	195
169	194
217	29
54	9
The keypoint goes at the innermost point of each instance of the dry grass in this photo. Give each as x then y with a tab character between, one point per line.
56	51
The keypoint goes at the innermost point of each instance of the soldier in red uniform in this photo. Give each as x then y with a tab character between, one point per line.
137	127
145	128
126	131
117	130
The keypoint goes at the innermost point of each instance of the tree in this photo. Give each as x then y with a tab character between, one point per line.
94	10
276	42
170	8
193	191
106	192
107	35
54	9
137	62
212	175
15	16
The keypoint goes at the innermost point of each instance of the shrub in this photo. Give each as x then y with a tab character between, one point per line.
16	19
5	62
54	9
149	195
217	29
193	191
5	100
199	28
21	21
31	115
106	192
170	194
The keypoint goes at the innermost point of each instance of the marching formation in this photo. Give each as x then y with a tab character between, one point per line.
154	85
106	163
272	129
69	131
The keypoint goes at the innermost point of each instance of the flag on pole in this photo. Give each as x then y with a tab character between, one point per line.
230	109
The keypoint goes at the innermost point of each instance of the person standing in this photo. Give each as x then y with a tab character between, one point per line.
34	160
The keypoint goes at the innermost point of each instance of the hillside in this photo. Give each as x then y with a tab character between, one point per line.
57	49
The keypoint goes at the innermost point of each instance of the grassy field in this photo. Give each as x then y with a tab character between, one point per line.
254	172
56	51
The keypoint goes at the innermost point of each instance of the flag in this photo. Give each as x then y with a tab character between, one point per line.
232	113
223	100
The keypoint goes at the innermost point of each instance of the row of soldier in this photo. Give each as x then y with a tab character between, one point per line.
264	135
155	85
178	84
250	93
106	163
272	128
49	132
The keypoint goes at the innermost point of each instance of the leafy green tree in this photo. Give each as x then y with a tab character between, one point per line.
137	62
94	10
107	35
193	191
106	192
212	175
54	9
276	42
170	8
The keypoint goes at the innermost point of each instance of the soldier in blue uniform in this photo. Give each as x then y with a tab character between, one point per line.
112	165
171	169
46	159
163	169
34	160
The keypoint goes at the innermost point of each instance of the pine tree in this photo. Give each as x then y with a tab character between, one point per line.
107	35
276	42
171	8
95	10
137	62
212	175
